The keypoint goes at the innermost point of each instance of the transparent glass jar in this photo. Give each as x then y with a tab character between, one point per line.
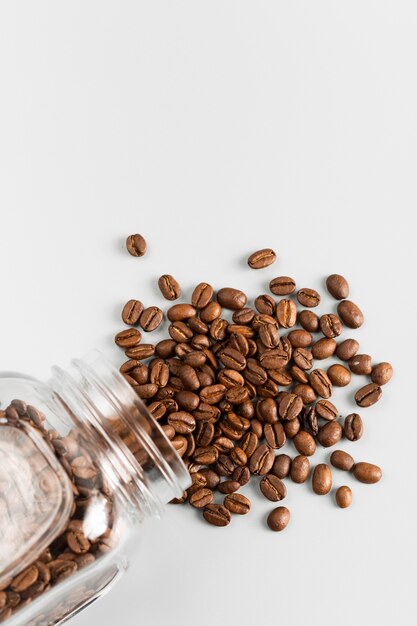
82	465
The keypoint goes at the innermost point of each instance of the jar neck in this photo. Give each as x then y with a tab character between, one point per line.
138	461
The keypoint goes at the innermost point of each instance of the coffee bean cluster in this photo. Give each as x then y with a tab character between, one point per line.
230	391
71	550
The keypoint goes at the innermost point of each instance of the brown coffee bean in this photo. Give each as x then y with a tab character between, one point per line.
322	479
230	298
204	434
169	287
159	373
304	443
347	349
306	393
132	311
367	473
353	427
238	457
330	325
286	313
368	395
310	421
342	460
337	286
269	335
290	406
237	503
146	391
201	498
242	475
77	542
273	488
212	394
128	338
308	297
274	435
278	518
298	375
382	373
300	338
237	394
206	456
233	359
324	348
282	286
249	443
212	479
141	352
183	422
303	358
189	378
273	359
265	304
339	376
261	460
261	258
230	378
180	332
229	486
136	245
330	434
202	295
344	497
300	469
308	320
361	364
217	514
165	348
281	466
326	410
180	312
187	400
25	579
321	383
350	314
210	312
292	427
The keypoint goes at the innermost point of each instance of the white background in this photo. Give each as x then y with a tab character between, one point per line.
216	128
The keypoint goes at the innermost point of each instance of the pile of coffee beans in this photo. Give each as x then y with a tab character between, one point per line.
230	390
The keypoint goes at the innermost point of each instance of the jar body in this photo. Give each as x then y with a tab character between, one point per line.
83	466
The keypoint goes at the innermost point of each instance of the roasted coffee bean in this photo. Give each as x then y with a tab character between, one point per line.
230	378
286	313
217	514
243	316
202	295
330	325
265	304
180	444
210	312
212	394
212	479
273	488
218	329
321	383
303	358
308	320
261	460
132	311
278	518
205	412
326	410
169	287
269	335
146	391
261	258
308	297
304	443
254	373
187	400
229	486
292	427
204	434
298	375
136	245
128	338
382	373
237	395
274	435
189	378
195	358
347	349
77	542
238	457
350	314
324	348
305	392
181	312
201	498
249	443
233	359
25	579
281	466
353	427
180	332
241	475
183	422
337	286
300	338
300	469
165	348
197	326
310	421
237	503
230	298
367	473
342	460
361	364
322	479
290	406
159	373
330	434
140	373
368	395
271	360
282	286
206	455
339	376
141	352
344	497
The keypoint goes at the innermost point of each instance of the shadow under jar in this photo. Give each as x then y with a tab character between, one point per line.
83	465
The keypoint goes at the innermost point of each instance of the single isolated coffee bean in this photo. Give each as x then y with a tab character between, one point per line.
282	285
330	434
169	287
151	318
353	427
217	515
237	503
308	297
322	479
344	497
308	320
381	373
136	245
330	325
361	364
337	286
368	395
342	460
273	488
339	375
347	349
132	311
230	298
261	258
300	469
278	518
367	473
350	314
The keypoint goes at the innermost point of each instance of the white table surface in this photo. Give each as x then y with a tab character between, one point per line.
215	129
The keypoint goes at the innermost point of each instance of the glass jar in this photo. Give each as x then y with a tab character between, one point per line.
83	464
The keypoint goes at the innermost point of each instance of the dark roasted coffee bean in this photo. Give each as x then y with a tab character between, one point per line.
212	394
243	316
367	473
169	287
300	338
308	320
237	503
182	421
165	348
206	455
306	393
201	498
273	488
330	325
339	375
261	460
233	359
321	383
237	395
337	286
204	434
230	298
278	518
347	349
238	457
261	258
132	311
368	395
128	338
344	497
353	427
141	352
249	442
210	312
342	460
281	466
308	297
300	469
350	314
180	312
217	514
326	410
274	435
322	479
330	434
286	313
282	286
310	421
189	378
242	475
304	443
303	358
229	486
269	335
136	245
265	304
290	406
382	373
159	373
